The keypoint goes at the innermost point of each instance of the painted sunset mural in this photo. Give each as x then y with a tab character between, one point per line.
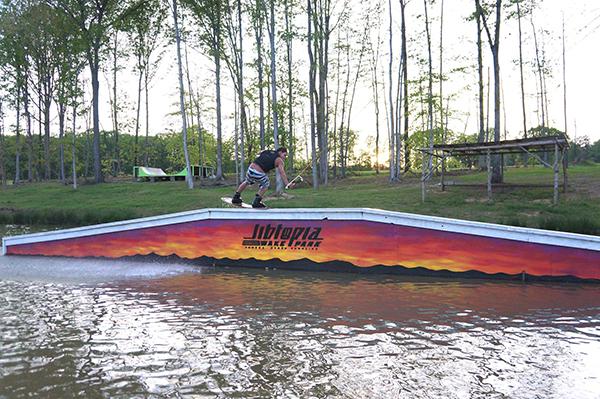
360	243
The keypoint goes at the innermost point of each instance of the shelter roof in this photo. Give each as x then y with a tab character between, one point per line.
536	144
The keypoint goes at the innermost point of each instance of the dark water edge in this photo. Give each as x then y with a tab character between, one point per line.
117	328
17	229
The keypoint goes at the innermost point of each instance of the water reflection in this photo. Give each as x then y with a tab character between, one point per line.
244	333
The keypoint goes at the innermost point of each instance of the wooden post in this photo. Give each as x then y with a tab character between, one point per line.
565	165
423	179
443	170
489	176
555	200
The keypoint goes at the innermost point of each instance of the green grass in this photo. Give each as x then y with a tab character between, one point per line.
52	204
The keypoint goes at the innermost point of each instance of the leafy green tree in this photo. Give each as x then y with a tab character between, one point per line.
13	63
210	17
95	21
145	30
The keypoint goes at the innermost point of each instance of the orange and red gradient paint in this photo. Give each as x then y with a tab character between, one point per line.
361	243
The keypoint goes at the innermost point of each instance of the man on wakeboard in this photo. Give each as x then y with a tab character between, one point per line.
257	173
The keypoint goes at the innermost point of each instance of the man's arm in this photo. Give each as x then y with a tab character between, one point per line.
279	165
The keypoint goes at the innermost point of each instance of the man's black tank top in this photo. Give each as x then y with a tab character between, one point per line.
266	160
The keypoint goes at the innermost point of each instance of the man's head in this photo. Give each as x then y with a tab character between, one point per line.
282	151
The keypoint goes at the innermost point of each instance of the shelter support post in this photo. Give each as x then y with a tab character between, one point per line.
423	179
565	164
443	171
489	175
555	200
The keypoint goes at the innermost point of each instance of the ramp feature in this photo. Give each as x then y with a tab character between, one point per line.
331	239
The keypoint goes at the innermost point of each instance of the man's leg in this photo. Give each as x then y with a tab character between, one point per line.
262	191
237	198
264	186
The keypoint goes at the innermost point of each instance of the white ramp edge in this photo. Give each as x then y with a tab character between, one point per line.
521	234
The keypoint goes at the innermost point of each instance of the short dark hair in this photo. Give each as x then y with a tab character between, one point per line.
282	149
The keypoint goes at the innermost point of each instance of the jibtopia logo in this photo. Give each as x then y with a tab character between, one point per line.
283	237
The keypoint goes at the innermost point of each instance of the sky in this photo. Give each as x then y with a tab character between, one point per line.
582	36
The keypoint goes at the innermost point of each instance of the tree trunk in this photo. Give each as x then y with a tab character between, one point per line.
261	97
29	134
47	101
342	129
241	93
375	87
321	22
94	62
519	17
361	54
147	105
495	50
188	179
482	133
497	166
74	148
116	163
398	133
137	118
392	145
217	59
564	71
441	77
17	179
291	141
312	94
429	93
2	145
190	107
404	62
40	141
61	134
279	182
540	76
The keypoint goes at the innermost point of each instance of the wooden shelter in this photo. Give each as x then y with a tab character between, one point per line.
531	146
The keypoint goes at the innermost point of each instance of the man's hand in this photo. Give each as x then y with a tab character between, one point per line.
290	185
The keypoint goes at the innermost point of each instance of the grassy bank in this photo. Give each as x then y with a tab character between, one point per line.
578	210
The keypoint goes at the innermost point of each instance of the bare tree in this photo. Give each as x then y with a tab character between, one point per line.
235	64
494	42
429	91
258	14
189	178
312	72
320	29
404	63
289	36
210	16
392	117
375	48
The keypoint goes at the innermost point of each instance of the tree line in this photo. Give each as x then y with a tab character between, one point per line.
53	53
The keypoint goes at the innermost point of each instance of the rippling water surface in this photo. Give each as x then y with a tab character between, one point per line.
115	329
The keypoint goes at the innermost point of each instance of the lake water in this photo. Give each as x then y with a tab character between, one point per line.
92	328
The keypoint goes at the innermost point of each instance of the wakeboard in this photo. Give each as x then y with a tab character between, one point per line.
244	205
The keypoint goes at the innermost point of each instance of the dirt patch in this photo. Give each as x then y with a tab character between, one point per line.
530	214
545	201
283	196
473	200
585	184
